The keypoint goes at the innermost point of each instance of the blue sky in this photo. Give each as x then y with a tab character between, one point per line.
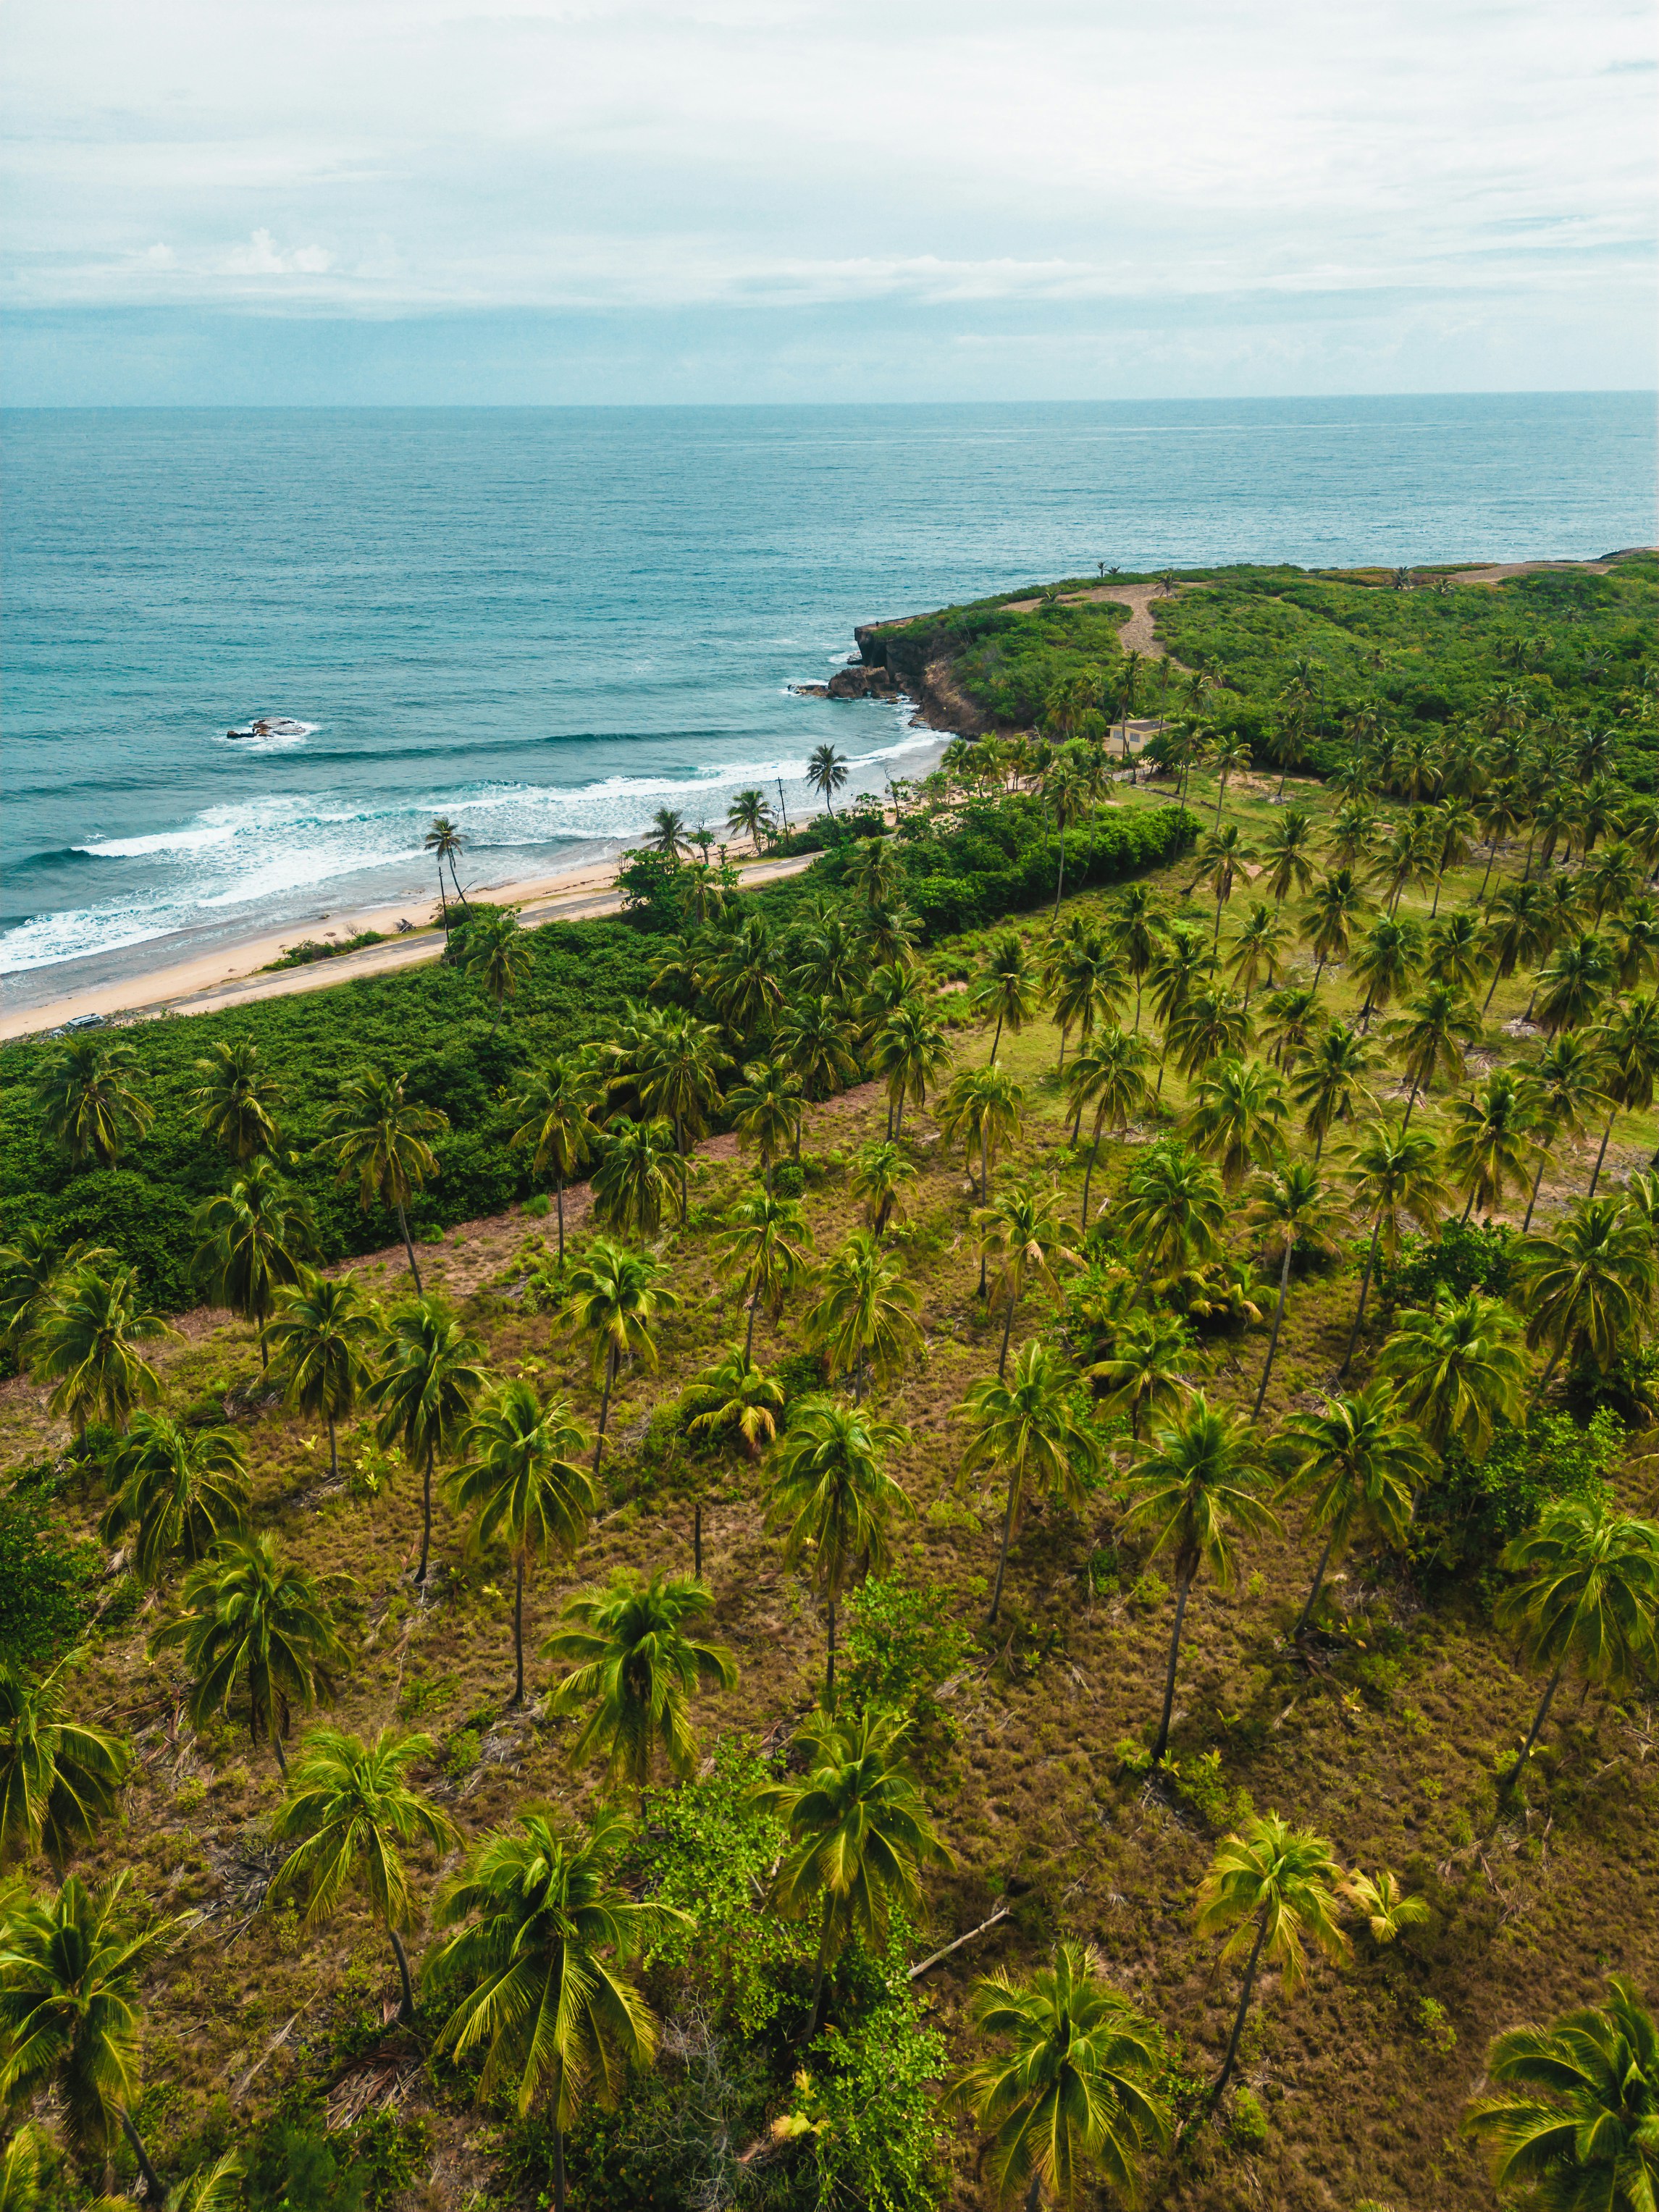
584	201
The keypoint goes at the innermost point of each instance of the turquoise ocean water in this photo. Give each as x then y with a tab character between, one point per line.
547	624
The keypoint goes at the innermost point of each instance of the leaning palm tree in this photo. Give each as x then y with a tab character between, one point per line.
1197	1490
1587	1597
859	1836
908	1052
1080	2089
638	1659
249	1618
60	1778
881	1174
1237	1116
1564	1088
1573	2117
544	1957
1355	1468
323	1329
864	1320
1588	1284
766	1247
833	1496
1629	1044
1332	1083
350	1813
1109	1074
71	2010
1007	986
235	1098
1393	1171
379	1140
88	1098
766	1110
1459	1368
1020	1240
521	1480
1385	960
445	842
1293	1206
250	1242
554	1106
1487	1135
178	1491
1025	1429
430	1377
86	1344
1271	1890
826	772
617	1296
1433	1033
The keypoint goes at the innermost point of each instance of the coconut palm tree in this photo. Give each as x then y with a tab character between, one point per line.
1459	1368
251	1241
871	871
249	1617
1331	1084
545	1939
235	1099
1287	851
1432	1033
32	1272
1588	1284
731	1401
1078	2090
833	956
1518	932
1355	1468
833	1496
881	1172
1181	964
1454	950
667	835
88	1098
1380	1904
177	1490
634	1180
1007	986
71	2011
445	842
378	1139
350	1813
1132	928
1385	960
1336	906
1350	837
1212	1024
859	1836
672	1064
1021	1238
982	1109
749	814
1257	947
1025	1428
826	772
1223	856
521	1480
1230	756
766	1109
1293	1206
1574	2117
1110	1075
638	1661
431	1375
864	1320
1197	1491
60	1776
1486	1142
1236	1116
814	1041
616	1298
323	1329
1173	1211
493	948
554	1106
1573	983
86	1343
1629	1044
1587	1597
1393	1171
1294	1020
1564	1089
1271	1890
908	1052
1148	1370
766	1245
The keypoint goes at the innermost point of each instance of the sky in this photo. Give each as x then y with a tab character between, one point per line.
591	202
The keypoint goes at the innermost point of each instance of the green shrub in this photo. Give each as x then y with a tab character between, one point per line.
1467	1514
46	1576
902	1644
788	1179
1246	2125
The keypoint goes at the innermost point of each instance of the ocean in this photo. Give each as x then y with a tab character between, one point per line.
547	624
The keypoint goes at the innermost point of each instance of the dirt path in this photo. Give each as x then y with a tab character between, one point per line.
1137	634
1500	570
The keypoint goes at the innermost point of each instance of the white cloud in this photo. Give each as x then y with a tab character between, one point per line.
261	256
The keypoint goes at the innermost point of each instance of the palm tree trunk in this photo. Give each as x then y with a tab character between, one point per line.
1002	1552
984	1165
1306	1613
1537	1183
1533	1733
561	1207
829	1670
1364	1286
1543	1381
1061	886
825	1929
1183	1591
605	1405
406	2009
696	1540
1088	1177
152	2187
1225	2075
1602	1154
558	2137
409	1246
1486	1004
1007	1331
1492	854
456	880
426	1513
1272	1341
749	1337
333	1452
517	1630
997	1039
443	895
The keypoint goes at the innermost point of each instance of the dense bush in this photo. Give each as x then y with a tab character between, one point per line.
1474	1506
45	1578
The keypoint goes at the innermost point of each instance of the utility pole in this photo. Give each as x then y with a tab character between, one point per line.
783	812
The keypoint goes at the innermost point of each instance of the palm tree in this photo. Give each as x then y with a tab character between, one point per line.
982	1110
1021	1237
248	1616
864	1321
638	1663
1079	2088
1385	960
60	1776
1572	983
826	772
323	1329
32	1272
1231	755
667	834
349	1811
1222	857
86	1343
1432	1033
71	2011
180	1490
1086	979
544	1963
880	1172
1455	950
1563	1088
251	1241
1394	1170
833	1496
814	1041
1236	1116
87	1096
908	1052
871	871
1173	1210
859	1834
767	1246
493	949
1331	1083
1629	1044
1293	1206
1287	854
554	1105
1132	929
674	1064
1355	1467
733	1401
1212	1025
1575	2119
1147	1371
235	1098
1110	1075
615	1298
749	814
1257	947
430	1378
1588	1284
1459	1368
1182	961
1588	1597
1196	1489
1386	1910
1272	1889
379	1140
1517	931
521	1480
1486	1140
635	1179
1008	985
1025	1427
1335	907
766	1109
445	842
1294	1020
